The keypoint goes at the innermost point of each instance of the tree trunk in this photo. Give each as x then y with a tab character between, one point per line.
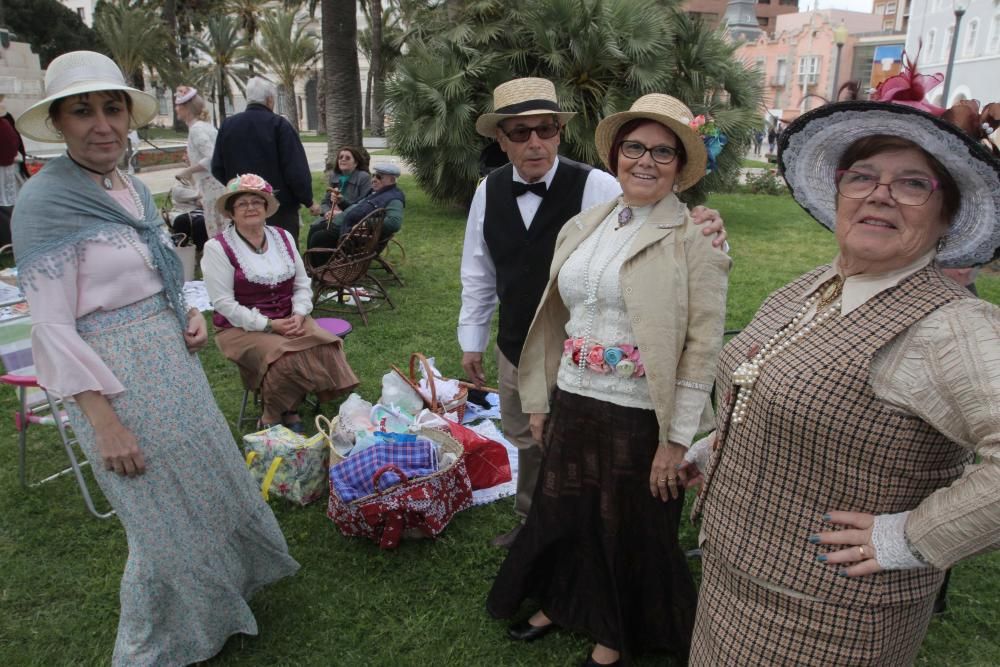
368	100
221	97
288	105
321	103
343	76
377	123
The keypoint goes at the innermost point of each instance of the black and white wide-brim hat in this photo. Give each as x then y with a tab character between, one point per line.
811	147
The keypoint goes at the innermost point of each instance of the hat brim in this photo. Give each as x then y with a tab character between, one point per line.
487	124
812	146
694	147
35	124
272	202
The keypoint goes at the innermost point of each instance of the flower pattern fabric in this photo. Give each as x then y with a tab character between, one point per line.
301	477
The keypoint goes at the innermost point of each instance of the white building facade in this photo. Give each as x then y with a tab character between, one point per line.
976	71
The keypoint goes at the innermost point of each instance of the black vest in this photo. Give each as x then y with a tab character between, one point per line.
522	256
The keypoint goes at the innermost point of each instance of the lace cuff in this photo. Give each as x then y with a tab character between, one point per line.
701	452
892	550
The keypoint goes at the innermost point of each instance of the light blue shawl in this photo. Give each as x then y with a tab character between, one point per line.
61	206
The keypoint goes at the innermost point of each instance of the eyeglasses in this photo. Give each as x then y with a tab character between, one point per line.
376	177
660	154
244	204
909	191
521	134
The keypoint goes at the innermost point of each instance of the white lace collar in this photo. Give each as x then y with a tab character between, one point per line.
273	267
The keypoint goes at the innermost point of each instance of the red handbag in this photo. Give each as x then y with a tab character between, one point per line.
422	506
486	459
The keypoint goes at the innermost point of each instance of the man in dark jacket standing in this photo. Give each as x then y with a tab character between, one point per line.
259	141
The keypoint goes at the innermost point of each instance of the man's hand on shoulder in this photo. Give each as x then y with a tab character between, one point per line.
713	224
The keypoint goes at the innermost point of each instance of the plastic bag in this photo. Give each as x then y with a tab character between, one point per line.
391	419
355	416
485	459
396	391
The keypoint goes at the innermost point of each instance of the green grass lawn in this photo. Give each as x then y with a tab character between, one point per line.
423	604
755	164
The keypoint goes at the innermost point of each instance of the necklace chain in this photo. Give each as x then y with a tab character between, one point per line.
258	250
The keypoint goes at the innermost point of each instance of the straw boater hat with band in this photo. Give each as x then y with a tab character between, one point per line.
811	147
521	97
673	114
77	73
247	184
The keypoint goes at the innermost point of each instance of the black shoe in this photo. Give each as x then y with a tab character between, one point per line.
590	662
505	540
526	632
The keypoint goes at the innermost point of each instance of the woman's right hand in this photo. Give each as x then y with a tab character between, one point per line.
119	449
289	327
537	424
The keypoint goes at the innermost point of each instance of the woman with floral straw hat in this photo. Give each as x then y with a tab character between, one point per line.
615	373
113	336
839	484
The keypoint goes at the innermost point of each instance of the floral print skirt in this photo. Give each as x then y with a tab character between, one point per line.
201	540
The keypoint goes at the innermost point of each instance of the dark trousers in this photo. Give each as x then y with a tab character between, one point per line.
5	214
287	217
321	237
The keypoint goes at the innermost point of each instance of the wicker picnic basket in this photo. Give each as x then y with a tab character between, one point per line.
418	507
456	404
328	429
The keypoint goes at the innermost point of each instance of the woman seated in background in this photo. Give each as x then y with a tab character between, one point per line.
262	299
616	372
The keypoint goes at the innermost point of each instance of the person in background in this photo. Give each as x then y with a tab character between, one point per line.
772	139
114	338
385	194
259	141
13	170
190	109
349	181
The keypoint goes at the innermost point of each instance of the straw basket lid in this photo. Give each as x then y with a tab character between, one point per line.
76	73
247	184
672	114
521	97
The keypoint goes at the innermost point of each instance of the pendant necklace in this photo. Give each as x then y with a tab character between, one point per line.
624	215
259	250
105	176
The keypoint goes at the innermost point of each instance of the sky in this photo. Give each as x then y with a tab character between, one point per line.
853	5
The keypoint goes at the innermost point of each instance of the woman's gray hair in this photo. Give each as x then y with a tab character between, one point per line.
259	90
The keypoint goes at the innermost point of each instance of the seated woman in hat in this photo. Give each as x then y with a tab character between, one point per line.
113	336
840	487
616	372
262	299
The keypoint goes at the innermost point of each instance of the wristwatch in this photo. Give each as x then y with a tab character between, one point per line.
267	326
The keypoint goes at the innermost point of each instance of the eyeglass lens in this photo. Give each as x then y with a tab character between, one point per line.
910	191
521	134
250	203
660	154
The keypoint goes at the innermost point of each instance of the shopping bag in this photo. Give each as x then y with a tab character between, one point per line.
485	459
300	476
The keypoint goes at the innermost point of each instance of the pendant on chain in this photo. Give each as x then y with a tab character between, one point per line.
624	217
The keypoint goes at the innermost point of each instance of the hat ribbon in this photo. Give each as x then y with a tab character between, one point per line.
529	105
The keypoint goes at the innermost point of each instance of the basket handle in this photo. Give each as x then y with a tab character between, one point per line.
428	372
388	467
178	243
326	430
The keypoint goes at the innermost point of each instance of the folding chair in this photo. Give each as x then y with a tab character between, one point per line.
37	406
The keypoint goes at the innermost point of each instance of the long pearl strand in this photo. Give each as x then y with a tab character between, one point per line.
132	237
746	374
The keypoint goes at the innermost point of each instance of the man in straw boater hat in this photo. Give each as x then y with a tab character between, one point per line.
510	237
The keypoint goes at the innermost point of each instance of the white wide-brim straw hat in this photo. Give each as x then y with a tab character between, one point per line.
811	147
76	73
247	184
672	114
521	97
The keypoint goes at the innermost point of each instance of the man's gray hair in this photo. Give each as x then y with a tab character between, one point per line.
259	90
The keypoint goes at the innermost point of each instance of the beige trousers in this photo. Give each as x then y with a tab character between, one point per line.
517	430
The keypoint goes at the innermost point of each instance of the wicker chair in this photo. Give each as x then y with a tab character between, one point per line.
382	262
338	273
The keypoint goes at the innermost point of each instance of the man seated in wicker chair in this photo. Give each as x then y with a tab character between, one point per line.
385	194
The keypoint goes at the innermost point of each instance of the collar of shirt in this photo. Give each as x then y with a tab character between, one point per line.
547	179
861	287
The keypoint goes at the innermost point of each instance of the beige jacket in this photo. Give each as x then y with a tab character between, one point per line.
674	284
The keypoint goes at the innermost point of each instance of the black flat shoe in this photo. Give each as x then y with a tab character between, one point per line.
590	662
526	632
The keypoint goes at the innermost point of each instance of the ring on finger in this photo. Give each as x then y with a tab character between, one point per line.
861	552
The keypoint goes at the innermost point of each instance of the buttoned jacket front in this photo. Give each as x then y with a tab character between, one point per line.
674	286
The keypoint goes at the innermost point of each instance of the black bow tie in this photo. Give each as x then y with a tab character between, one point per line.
538	188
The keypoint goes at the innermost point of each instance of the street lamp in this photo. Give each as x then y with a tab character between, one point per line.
839	38
959	13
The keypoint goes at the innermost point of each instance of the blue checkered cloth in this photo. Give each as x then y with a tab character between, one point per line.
352	477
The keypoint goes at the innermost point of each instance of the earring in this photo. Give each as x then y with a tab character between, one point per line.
941	243
675	188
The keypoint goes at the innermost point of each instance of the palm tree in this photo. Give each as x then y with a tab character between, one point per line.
383	59
287	49
135	37
227	50
248	13
340	68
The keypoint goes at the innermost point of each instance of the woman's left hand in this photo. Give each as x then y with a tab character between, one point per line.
663	482
858	554
196	334
709	217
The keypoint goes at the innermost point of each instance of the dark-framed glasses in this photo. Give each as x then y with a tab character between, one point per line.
908	191
521	134
245	204
660	154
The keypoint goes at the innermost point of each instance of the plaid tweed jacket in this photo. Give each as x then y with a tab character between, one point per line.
816	438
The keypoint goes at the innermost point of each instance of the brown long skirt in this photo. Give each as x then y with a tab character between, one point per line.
598	554
741	622
285	370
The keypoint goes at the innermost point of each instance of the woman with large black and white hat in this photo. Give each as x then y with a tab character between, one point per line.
839	483
113	336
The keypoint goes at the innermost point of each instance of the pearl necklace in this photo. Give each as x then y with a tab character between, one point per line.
133	237
591	288
746	374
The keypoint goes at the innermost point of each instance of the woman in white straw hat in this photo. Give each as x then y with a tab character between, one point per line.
616	374
113	336
189	107
838	485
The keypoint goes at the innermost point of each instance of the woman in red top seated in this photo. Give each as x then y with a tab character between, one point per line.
262	299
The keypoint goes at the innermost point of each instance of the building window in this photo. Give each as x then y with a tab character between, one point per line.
808	70
82	13
971	35
761	63
781	72
762	22
163	101
888	25
879	10
890	8
763	2
995	35
788	2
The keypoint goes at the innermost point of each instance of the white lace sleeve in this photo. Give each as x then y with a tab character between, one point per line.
892	551
701	452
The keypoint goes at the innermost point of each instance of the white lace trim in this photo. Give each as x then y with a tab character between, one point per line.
889	539
700	453
812	154
273	267
690	384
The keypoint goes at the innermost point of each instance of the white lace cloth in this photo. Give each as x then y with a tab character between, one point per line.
889	540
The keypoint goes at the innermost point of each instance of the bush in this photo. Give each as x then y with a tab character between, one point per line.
764	182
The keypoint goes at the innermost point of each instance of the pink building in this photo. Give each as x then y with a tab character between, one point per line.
799	59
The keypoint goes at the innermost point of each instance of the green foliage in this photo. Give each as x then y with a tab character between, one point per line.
764	182
601	55
229	57
286	49
135	37
50	28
